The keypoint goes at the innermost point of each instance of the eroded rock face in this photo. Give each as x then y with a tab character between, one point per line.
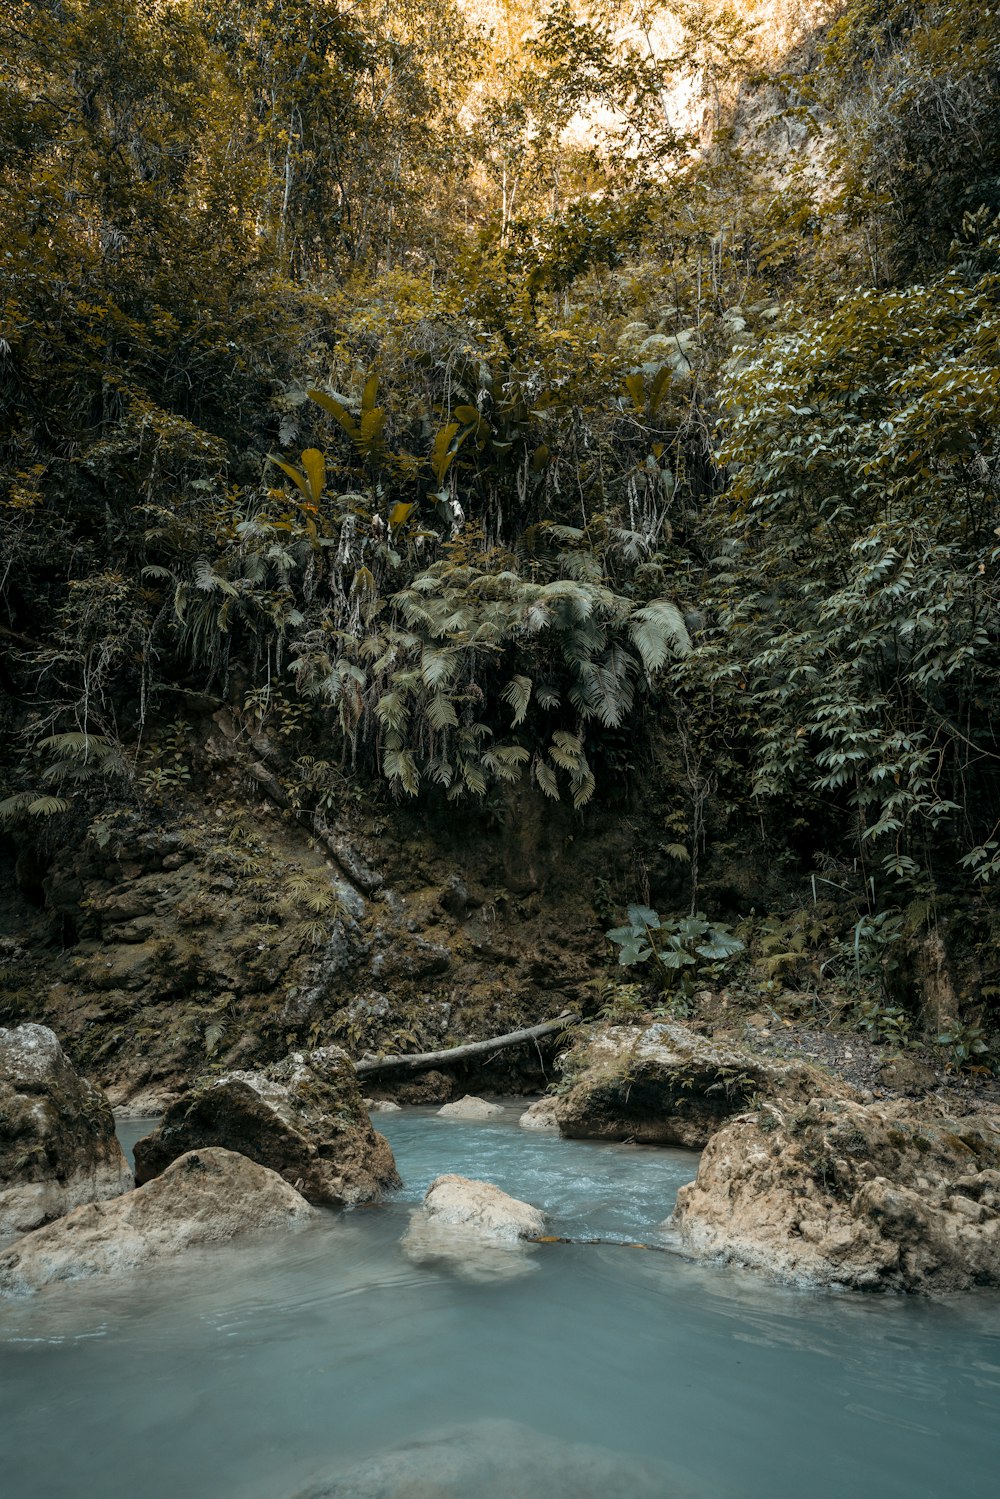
473	1228
470	1108
57	1134
876	1197
206	1197
302	1117
665	1084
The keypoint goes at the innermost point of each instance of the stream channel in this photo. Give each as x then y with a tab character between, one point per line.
325	1363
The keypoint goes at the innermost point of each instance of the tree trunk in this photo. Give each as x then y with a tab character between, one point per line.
421	1060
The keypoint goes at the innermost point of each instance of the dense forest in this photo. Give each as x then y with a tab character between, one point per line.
500	419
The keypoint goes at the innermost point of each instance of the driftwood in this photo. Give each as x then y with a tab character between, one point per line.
421	1060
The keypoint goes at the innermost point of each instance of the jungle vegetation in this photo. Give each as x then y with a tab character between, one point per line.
420	381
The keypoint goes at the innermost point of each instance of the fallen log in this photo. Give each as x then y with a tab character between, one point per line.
418	1061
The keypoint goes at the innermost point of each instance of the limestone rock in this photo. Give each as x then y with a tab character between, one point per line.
540	1115
474	1228
57	1134
470	1108
665	1084
875	1197
382	1106
496	1457
302	1117
206	1197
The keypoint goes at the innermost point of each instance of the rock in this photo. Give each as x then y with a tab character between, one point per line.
206	1197
470	1108
429	1087
148	1103
907	1075
474	1228
665	1084
57	1134
540	1115
496	1457
382	1106
302	1117
875	1197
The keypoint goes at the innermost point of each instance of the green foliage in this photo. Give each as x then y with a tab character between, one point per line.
966	1048
684	951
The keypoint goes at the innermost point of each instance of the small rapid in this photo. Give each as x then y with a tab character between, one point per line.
326	1362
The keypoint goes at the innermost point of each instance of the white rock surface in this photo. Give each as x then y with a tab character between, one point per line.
205	1197
470	1107
540	1115
473	1228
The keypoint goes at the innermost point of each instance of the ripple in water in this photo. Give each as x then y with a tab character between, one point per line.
326	1364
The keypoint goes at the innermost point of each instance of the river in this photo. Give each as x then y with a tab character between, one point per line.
326	1362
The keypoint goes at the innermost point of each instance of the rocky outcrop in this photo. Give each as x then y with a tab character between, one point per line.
875	1197
57	1134
473	1228
540	1115
470	1108
206	1197
302	1117
666	1084
497	1457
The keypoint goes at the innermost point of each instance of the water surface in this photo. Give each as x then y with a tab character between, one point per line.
256	1372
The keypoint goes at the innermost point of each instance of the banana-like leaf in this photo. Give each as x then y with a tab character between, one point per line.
442	452
400	513
370	394
636	387
298	478
314	468
336	409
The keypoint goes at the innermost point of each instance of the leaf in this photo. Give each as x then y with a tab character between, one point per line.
518	694
400	514
441	452
635	950
40	806
370	394
636	387
314	467
719	945
546	779
299	479
440	712
674	957
657	630
643	916
336	409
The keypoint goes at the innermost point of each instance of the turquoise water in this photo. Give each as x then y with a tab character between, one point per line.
258	1372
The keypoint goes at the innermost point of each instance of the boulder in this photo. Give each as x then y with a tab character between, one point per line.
57	1134
382	1106
497	1457
473	1228
540	1115
874	1197
302	1117
666	1084
470	1108
206	1197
